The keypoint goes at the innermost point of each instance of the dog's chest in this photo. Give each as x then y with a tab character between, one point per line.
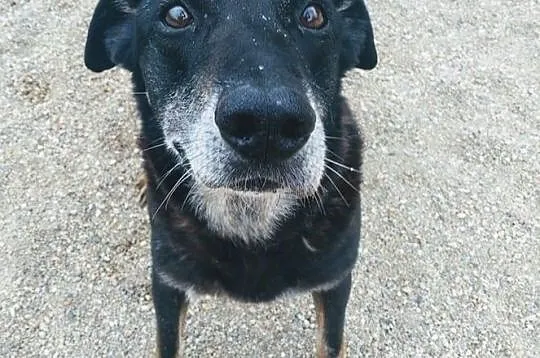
217	267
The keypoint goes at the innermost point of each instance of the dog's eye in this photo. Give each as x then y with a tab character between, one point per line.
313	17
178	17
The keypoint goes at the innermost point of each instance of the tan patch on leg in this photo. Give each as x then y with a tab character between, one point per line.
182	330
322	347
343	351
322	351
141	185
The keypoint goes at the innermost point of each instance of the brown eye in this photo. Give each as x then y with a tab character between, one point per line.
313	17
178	17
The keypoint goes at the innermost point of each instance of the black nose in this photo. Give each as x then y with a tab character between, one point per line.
265	125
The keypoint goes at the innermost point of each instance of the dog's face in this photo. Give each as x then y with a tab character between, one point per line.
234	91
241	89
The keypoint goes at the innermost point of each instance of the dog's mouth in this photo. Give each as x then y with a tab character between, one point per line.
249	185
255	184
244	183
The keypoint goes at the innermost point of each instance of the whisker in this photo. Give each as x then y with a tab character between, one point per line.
189	194
319	202
345	137
171	192
154	147
168	173
303	201
339	191
343	166
335	154
178	183
157	140
342	178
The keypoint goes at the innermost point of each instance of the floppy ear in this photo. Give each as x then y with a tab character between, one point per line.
110	36
359	46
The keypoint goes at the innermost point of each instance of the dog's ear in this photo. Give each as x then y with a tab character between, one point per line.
359	46
110	36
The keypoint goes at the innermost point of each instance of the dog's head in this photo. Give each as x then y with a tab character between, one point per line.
242	90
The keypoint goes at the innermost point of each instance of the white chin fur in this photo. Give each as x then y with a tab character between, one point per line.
249	216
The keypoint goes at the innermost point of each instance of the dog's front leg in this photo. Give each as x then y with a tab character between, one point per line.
171	306
330	306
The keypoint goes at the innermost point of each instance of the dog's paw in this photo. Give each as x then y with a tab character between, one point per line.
141	186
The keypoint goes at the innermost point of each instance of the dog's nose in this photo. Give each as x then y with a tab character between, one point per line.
265	125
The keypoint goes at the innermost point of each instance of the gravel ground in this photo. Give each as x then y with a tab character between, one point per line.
451	255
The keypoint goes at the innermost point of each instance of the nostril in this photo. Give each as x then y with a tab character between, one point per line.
294	128
243	125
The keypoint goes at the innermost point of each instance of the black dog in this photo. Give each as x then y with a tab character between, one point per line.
252	157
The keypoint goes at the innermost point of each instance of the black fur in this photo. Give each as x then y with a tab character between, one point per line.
131	35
